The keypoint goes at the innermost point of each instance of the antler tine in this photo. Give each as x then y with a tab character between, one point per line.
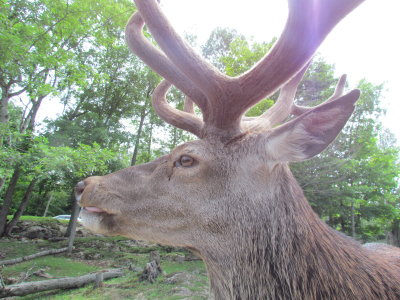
188	105
158	61
181	119
308	24
204	75
282	107
339	90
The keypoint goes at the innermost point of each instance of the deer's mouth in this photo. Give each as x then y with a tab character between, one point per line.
99	220
94	209
96	212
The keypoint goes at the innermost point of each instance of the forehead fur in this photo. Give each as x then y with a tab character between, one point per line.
214	148
198	148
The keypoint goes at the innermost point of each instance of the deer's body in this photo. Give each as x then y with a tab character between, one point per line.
287	257
230	196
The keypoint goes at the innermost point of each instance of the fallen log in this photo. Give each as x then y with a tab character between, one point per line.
32	256
28	288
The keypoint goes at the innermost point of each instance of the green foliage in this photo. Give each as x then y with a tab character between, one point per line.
243	56
354	183
259	108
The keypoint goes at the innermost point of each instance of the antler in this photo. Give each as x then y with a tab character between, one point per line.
285	106
182	119
158	61
221	98
282	108
299	110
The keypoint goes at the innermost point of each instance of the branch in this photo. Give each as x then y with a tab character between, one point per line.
32	256
52	284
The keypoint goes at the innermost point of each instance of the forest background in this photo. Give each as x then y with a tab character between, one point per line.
73	55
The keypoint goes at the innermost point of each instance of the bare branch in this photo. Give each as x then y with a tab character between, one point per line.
13	94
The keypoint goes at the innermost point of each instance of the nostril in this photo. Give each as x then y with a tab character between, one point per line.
79	188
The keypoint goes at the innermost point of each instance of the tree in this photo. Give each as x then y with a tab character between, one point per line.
40	44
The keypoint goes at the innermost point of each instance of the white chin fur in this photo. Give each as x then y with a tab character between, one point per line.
91	221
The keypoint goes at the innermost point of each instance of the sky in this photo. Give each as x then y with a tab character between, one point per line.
366	44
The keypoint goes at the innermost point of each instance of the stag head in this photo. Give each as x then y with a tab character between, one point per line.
210	193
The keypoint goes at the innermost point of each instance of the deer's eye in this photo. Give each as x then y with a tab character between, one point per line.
184	161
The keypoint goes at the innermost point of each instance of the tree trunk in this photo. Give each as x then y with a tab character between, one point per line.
138	135
74	215
3	120
32	256
6	95
99	280
52	284
8	199
73	221
21	208
47	205
150	140
175	138
152	269
395	233
5	99
2	182
353	221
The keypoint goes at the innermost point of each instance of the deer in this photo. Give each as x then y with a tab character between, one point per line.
229	196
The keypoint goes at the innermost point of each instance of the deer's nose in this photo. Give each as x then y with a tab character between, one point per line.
92	181
79	188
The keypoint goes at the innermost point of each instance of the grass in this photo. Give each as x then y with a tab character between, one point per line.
13	248
94	253
128	287
56	266
41	220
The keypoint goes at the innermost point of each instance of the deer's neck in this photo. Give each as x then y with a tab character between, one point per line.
283	251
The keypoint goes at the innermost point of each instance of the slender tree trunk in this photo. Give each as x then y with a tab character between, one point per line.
47	205
74	215
175	138
5	99
150	140
33	112
3	120
138	135
21	208
6	95
2	182
73	221
341	219
395	233
8	199
353	221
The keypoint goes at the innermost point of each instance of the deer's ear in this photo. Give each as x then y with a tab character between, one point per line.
310	133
